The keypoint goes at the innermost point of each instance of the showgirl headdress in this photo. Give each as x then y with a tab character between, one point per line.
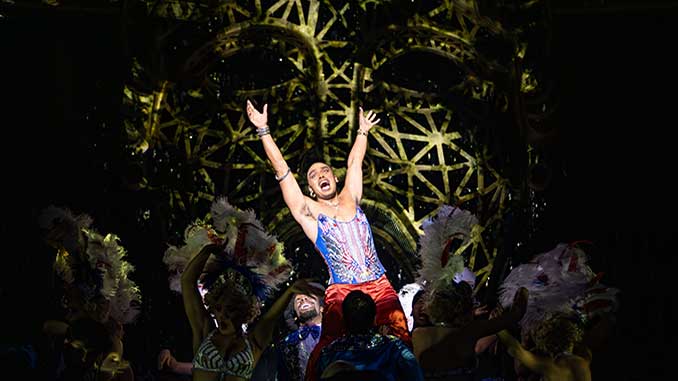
252	258
406	296
92	262
560	282
439	265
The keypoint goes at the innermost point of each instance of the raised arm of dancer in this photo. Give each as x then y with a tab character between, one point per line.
537	364
294	198
198	316
354	166
483	328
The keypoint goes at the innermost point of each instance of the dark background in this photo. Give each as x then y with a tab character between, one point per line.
616	80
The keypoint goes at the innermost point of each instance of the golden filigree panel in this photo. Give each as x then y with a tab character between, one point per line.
422	154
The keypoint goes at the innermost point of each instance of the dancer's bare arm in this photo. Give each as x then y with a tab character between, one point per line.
198	316
537	364
482	328
296	201
354	168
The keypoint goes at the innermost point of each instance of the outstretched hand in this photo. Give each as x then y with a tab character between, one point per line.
519	305
165	359
367	121
258	119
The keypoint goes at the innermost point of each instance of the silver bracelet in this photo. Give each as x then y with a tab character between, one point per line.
281	178
361	132
263	131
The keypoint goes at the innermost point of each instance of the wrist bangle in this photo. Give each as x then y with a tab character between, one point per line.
263	131
361	132
281	178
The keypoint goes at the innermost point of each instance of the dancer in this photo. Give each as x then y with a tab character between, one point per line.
445	348
240	266
94	273
335	223
555	339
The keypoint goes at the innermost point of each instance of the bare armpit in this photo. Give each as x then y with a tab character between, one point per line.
306	211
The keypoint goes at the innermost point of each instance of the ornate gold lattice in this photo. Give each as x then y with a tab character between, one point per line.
422	155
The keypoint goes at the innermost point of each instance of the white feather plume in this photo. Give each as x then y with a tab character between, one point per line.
196	236
62	227
405	295
80	246
248	244
554	279
449	223
105	254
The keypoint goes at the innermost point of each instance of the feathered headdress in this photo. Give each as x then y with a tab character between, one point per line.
406	297
559	281
92	262
438	264
252	257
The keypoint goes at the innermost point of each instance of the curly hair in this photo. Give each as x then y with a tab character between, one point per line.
557	334
242	307
451	304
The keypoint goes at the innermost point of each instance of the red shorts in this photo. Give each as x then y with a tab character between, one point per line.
390	316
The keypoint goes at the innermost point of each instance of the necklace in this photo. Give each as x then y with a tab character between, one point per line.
334	205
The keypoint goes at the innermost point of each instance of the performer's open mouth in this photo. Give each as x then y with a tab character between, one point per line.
324	185
305	306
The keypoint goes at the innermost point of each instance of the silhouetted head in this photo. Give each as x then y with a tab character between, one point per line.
451	304
359	311
556	335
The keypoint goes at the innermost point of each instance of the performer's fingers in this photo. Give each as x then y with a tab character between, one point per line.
376	121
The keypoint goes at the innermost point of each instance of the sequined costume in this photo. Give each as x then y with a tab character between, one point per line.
387	355
208	358
353	264
293	352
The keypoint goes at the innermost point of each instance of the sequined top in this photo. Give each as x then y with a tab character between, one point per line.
293	352
348	249
208	358
386	355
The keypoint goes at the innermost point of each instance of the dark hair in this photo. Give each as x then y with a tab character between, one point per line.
418	296
308	158
359	312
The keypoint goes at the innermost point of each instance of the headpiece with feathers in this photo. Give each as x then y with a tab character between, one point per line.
438	264
406	297
559	282
92	262
251	257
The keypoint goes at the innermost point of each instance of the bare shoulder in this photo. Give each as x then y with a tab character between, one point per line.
574	360
577	366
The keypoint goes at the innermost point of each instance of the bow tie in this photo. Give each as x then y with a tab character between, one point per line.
313	330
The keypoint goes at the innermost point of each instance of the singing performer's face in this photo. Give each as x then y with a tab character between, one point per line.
322	181
306	307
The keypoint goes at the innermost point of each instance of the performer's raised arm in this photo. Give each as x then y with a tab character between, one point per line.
294	198
354	166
